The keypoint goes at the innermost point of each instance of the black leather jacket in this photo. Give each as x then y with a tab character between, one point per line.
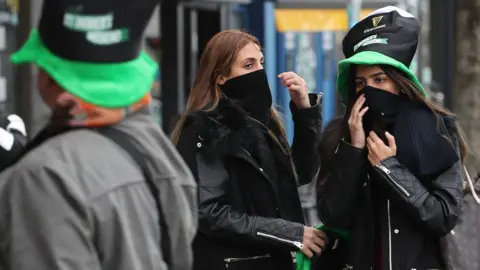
247	221
404	220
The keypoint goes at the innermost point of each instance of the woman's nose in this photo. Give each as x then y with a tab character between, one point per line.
370	83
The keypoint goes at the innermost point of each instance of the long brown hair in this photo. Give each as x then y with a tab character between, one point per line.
217	59
333	131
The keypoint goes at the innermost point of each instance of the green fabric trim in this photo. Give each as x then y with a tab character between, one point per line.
303	262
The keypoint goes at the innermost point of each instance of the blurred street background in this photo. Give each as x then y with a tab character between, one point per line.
297	35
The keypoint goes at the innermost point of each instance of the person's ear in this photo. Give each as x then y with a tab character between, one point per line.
221	80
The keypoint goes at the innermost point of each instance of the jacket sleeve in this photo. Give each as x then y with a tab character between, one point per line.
44	229
437	207
336	202
217	218
307	129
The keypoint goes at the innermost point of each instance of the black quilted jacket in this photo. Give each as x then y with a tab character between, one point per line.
247	220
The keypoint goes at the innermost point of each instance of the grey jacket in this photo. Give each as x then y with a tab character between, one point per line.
79	202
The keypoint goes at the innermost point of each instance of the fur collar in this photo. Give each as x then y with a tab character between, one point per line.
226	129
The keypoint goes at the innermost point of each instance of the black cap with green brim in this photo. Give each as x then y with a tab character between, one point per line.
387	36
93	49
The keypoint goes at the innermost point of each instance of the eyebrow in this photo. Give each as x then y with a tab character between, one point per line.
252	59
371	76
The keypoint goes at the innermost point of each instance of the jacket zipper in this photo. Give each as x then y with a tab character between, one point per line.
386	171
389	236
260	170
233	260
295	243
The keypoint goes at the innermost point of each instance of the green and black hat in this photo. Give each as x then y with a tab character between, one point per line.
93	49
387	36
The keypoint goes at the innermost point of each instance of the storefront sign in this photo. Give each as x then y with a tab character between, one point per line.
313	20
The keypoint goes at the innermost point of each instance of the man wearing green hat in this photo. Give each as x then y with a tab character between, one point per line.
101	186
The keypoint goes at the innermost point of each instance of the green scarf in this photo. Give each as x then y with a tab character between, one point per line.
303	262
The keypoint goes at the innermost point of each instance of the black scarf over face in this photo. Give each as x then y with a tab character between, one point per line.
382	111
422	144
252	92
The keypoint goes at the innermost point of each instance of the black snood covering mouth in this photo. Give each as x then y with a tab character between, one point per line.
383	107
252	92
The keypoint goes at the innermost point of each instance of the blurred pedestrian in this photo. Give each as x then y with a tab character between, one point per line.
391	169
101	186
234	141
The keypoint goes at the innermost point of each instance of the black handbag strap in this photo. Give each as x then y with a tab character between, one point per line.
122	139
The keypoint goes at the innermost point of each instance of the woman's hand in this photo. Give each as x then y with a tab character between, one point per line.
313	241
377	150
355	123
297	87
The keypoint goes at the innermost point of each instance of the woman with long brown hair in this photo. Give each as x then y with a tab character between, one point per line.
391	167
234	142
